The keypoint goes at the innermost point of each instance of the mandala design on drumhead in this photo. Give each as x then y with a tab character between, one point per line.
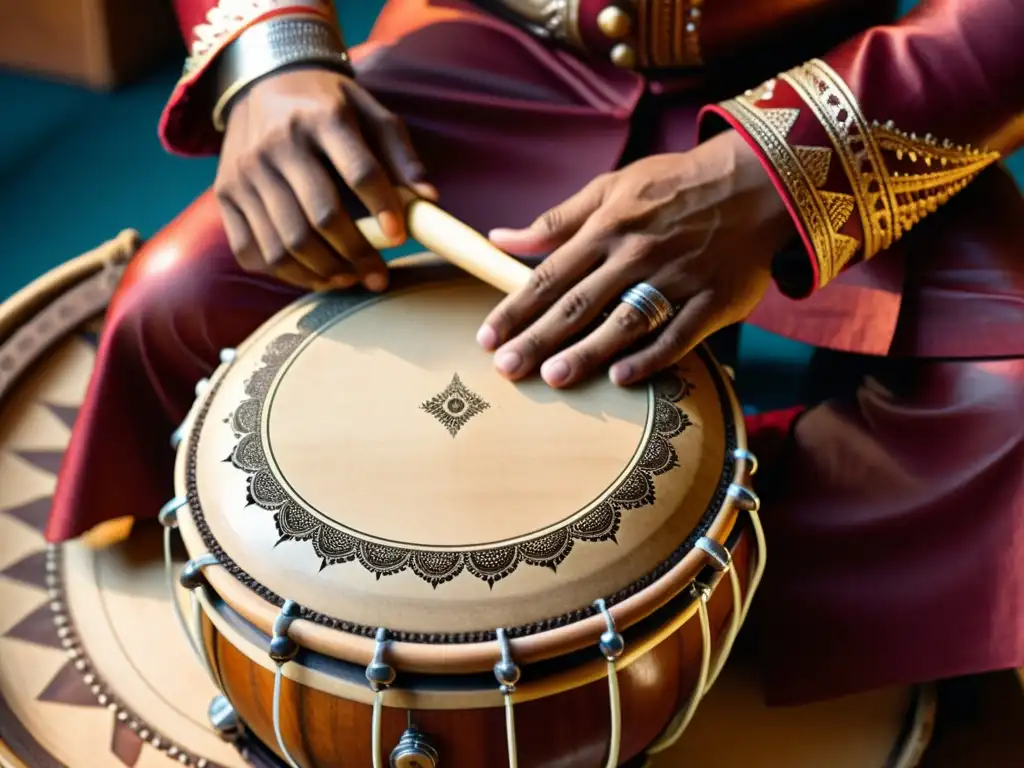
455	406
333	546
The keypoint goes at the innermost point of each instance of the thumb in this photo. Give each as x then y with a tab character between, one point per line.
552	228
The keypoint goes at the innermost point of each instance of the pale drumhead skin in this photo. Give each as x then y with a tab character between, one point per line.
362	457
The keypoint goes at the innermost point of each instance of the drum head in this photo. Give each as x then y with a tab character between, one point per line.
361	457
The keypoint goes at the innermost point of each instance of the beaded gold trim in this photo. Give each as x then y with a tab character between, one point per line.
229	16
888	203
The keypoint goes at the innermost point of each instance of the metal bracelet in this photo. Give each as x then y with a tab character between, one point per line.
270	45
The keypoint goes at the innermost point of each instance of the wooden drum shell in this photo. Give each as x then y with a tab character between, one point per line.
569	726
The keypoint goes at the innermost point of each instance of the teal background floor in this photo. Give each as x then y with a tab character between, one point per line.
76	167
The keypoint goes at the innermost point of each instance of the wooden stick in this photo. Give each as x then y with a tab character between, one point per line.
456	242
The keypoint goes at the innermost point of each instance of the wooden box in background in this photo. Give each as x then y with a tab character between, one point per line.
101	44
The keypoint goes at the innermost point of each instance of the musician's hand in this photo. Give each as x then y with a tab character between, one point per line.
291	140
700	226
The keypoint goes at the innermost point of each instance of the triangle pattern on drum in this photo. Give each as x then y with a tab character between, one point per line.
36	628
47	461
34	513
69	687
66	413
126	744
30	570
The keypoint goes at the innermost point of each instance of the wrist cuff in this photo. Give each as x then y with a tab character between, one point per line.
269	46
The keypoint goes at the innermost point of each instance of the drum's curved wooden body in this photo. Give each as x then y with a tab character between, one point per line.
324	727
360	458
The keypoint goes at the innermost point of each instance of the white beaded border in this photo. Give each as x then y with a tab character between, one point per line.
105	696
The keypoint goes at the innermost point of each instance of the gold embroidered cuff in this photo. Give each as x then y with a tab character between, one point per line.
854	186
269	46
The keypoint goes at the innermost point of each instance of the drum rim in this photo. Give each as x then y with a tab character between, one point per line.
588	664
73	293
419	652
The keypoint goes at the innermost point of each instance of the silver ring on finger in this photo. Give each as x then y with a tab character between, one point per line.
651	303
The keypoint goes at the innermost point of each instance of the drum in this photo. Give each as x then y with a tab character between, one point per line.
399	557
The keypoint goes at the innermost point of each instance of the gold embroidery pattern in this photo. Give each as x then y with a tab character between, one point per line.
919	194
672	31
803	171
817	161
888	204
228	16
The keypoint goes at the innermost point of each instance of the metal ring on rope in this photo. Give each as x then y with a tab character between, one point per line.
192	579
227	356
612	645
748	501
506	672
282	650
380	675
720	559
168	517
682	719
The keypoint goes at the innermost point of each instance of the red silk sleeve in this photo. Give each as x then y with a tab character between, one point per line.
870	139
186	125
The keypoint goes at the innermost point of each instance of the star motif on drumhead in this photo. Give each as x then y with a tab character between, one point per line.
455	406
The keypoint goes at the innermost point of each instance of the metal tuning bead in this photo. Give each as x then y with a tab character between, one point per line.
282	648
507	673
719	561
414	751
168	515
192	576
717	553
224	719
742	454
612	645
380	675
745	498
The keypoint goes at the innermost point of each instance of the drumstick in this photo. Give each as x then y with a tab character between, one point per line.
456	242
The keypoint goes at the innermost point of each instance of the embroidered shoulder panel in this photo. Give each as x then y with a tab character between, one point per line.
228	17
858	185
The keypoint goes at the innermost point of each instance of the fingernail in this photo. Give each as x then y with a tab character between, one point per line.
620	374
390	226
555	371
428	191
487	337
500	233
343	281
508	362
376	282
